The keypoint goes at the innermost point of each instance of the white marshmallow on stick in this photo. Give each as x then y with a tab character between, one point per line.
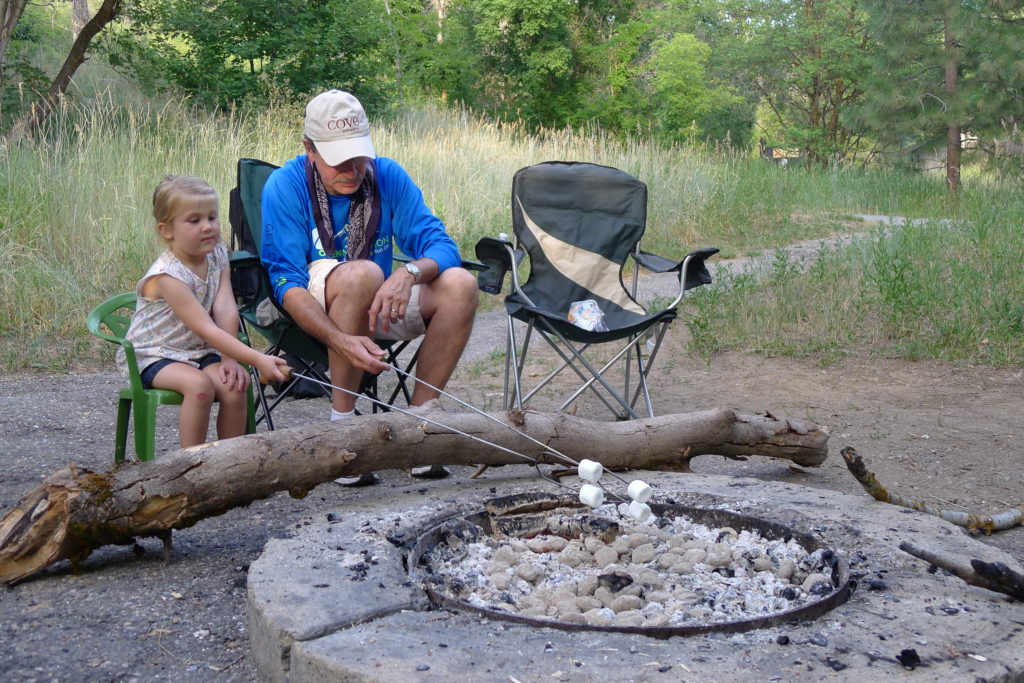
591	495
641	512
590	470
639	491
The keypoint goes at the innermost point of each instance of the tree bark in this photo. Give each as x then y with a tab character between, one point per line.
107	12
74	511
952	74
79	16
10	15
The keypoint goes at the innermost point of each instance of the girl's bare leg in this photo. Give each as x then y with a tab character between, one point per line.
199	392
232	412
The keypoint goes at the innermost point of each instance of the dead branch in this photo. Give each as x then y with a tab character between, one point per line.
973	522
74	511
994	576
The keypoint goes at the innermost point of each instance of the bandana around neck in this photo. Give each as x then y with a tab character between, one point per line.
363	212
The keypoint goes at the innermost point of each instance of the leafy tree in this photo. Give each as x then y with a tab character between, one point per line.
436	49
227	51
612	46
946	67
527	54
686	105
806	61
19	69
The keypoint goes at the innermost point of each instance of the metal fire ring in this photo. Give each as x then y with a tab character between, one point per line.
500	513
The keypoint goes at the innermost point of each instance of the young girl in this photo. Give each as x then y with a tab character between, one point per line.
186	313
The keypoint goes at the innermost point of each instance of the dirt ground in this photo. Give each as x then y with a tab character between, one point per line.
948	436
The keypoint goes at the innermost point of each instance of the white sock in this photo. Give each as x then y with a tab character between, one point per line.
335	415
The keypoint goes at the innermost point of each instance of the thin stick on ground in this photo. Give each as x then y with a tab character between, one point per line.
971	521
994	576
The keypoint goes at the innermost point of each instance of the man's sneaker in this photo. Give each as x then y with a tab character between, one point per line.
430	472
367	479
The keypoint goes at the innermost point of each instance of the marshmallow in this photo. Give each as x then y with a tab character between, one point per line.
641	512
591	495
590	470
639	491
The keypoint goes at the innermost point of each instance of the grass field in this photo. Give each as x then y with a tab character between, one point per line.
75	227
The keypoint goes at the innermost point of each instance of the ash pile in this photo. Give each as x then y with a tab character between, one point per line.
601	569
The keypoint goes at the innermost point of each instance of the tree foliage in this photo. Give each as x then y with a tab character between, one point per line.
227	51
805	60
946	67
21	72
832	78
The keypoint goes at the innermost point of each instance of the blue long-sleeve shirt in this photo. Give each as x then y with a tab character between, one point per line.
290	239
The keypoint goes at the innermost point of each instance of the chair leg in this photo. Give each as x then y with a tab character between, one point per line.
124	410
596	375
145	430
510	357
250	411
261	400
518	361
401	387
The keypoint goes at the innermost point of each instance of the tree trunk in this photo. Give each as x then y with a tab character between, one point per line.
953	138
10	15
74	511
79	16
107	12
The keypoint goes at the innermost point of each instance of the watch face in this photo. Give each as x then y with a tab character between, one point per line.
414	270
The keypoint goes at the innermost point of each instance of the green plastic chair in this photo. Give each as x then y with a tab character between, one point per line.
114	314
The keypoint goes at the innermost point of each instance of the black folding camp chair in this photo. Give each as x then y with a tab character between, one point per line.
253	294
579	223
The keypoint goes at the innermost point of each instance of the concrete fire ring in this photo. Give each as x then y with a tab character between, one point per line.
334	602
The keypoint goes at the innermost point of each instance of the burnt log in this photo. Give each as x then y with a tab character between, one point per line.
993	576
74	511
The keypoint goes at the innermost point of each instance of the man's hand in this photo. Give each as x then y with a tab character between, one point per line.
362	353
233	375
391	299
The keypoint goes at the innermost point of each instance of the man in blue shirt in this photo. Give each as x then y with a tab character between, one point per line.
330	217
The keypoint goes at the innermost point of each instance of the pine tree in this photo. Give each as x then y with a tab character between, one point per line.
946	67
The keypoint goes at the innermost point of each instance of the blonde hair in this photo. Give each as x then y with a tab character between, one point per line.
175	190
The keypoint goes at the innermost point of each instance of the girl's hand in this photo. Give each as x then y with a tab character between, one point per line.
233	375
269	367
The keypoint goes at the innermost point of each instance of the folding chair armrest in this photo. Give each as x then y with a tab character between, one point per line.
497	259
655	263
696	273
468	265
243	259
693	272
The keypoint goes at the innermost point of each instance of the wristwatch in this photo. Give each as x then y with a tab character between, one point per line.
415	271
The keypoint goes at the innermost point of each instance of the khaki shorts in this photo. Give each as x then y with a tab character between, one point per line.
410	327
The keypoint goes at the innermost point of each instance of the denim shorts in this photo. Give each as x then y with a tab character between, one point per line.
149	373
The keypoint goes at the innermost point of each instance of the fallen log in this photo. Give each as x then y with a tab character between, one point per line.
74	511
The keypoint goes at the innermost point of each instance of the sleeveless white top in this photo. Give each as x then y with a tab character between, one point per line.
155	330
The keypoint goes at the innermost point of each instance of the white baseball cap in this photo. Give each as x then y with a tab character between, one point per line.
336	123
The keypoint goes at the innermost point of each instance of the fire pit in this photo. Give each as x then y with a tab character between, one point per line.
358	593
551	562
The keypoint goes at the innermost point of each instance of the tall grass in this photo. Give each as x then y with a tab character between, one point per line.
951	291
75	224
